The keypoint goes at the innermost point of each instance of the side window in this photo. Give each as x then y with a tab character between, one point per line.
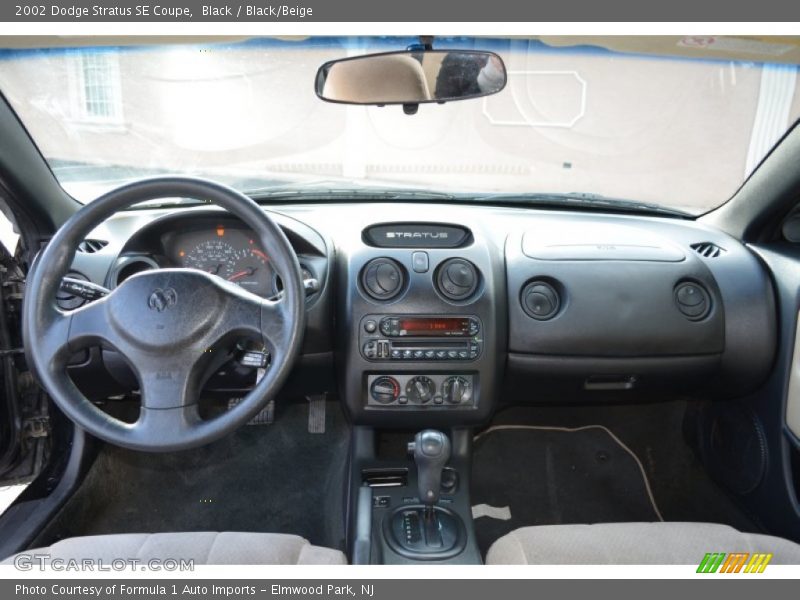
96	94
8	237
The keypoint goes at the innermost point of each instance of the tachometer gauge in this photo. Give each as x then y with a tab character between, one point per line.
251	270
212	256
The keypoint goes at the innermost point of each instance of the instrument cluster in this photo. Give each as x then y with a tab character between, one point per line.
232	253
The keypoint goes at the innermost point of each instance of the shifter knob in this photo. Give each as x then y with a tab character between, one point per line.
431	450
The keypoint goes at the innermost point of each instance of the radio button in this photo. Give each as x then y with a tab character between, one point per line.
430	354
370	326
407	354
418	354
397	354
441	354
463	354
452	354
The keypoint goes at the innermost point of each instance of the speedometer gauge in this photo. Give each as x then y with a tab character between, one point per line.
212	256
231	253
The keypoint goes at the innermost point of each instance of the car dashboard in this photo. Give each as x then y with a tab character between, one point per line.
437	321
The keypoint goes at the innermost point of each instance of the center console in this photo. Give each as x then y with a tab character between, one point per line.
421	321
422	318
410	498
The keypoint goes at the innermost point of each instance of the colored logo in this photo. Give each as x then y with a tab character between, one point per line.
737	562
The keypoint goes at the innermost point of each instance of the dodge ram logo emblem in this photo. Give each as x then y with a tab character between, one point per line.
161	300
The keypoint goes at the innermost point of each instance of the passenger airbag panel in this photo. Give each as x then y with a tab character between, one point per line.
598	241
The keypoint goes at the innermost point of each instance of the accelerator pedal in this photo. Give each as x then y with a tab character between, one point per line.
316	413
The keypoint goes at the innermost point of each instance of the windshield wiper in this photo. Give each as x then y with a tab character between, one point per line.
291	193
583	200
167	203
319	191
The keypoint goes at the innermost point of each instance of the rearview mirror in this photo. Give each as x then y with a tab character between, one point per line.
411	77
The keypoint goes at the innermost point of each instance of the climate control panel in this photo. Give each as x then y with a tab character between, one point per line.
418	390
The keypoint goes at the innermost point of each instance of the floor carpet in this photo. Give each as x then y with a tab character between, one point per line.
553	477
550	477
263	478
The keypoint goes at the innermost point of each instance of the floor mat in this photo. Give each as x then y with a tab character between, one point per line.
654	431
551	476
267	478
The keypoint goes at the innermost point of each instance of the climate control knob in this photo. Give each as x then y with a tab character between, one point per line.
456	390
420	389
385	390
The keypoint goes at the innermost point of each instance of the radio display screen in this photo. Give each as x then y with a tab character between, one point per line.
436	326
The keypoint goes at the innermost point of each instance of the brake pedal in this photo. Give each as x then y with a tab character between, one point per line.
266	416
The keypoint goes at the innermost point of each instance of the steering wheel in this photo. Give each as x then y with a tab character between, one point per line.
165	323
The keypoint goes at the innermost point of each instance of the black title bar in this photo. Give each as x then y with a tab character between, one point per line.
442	11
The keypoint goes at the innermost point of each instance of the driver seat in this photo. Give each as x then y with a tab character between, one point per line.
203	547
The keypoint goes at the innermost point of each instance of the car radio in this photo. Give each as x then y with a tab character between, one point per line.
420	338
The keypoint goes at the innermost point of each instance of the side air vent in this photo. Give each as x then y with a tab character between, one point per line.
707	249
91	246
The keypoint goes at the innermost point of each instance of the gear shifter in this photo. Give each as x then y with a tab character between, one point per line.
427	529
431	451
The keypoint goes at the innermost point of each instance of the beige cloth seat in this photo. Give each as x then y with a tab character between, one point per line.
632	544
205	548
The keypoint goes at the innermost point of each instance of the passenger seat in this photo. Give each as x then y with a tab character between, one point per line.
632	544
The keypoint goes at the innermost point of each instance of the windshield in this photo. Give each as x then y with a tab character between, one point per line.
676	132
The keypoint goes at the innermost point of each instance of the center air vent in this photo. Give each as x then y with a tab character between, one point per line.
457	279
91	246
707	249
382	278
